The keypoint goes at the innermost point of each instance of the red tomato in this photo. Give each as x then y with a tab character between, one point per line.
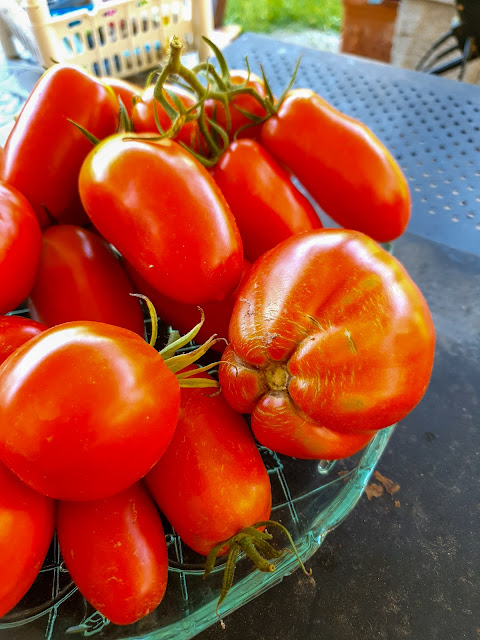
15	331
143	115
20	247
86	409
185	316
27	521
216	110
44	152
330	340
79	278
348	171
164	213
126	91
211	482
116	553
266	205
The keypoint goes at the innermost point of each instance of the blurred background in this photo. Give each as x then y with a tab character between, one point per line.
397	32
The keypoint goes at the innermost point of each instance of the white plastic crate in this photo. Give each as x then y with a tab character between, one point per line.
115	38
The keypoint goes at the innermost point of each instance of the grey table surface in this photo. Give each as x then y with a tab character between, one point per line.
411	569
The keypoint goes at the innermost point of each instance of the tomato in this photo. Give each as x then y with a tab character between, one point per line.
330	340
15	331
216	110
79	278
164	213
44	151
342	164
126	91
116	553
184	316
86	409
27	521
143	115
20	247
266	205
211	481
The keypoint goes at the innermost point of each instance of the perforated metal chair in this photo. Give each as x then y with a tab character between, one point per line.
459	45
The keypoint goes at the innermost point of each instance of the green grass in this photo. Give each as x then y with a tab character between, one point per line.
266	15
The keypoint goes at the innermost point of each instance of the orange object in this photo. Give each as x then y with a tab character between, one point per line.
368	29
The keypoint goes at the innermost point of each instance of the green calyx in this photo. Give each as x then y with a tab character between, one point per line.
256	546
208	83
176	362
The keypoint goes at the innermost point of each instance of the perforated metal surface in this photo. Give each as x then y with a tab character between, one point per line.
430	124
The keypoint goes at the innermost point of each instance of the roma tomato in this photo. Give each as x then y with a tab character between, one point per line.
79	278
126	91
266	205
216	110
330	340
86	409
44	151
342	164
211	482
15	331
184	316
143	115
164	213
27	522
116	553
20	247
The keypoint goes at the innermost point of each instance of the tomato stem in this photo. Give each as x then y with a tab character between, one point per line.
255	544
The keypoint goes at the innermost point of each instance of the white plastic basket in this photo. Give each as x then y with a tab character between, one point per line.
115	38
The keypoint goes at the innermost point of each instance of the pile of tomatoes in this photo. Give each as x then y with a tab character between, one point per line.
183	192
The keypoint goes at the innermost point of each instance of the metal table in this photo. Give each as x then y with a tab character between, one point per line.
409	570
405	569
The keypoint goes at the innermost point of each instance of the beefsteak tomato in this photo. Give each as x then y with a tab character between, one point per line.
330	340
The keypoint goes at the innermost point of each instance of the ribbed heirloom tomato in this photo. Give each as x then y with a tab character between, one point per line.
86	409
330	340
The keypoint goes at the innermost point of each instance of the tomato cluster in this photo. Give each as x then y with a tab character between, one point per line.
185	198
